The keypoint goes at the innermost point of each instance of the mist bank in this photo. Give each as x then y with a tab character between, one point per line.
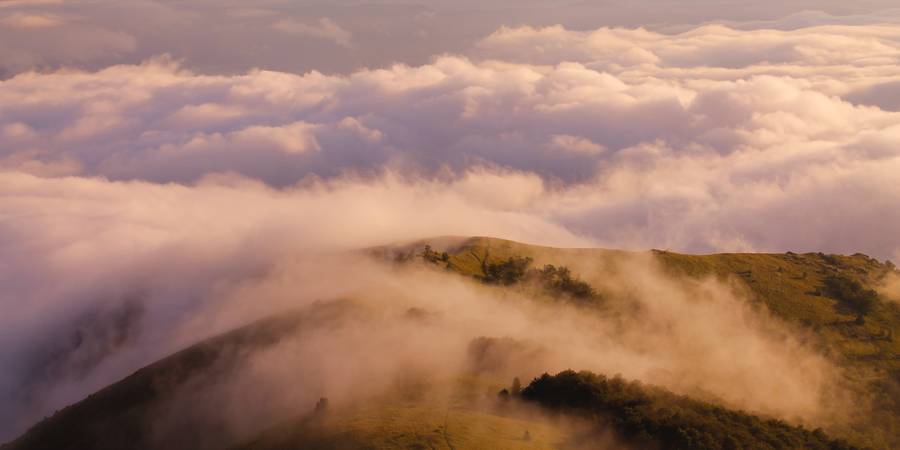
372	326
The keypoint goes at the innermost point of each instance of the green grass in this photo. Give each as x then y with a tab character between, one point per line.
790	286
418	424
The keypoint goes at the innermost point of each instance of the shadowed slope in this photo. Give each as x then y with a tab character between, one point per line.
121	415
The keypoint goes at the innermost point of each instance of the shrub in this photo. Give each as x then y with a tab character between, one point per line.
852	294
560	280
506	272
639	414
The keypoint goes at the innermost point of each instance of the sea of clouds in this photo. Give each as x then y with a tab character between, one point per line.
714	139
129	177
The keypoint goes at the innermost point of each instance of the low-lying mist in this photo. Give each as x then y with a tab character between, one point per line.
100	298
389	326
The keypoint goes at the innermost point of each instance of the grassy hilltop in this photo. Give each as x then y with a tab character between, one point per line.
794	287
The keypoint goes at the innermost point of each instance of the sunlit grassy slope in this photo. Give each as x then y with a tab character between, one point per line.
791	286
413	424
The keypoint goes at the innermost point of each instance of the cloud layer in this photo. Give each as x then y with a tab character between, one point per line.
714	139
232	36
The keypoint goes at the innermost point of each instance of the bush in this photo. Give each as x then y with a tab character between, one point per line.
506	272
852	294
560	280
653	417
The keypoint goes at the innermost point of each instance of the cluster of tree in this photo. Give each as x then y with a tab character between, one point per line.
560	280
852	294
514	391
646	416
432	256
506	272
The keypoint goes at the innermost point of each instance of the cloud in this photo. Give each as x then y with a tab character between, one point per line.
23	20
110	243
635	140
705	47
237	38
890	287
30	41
575	144
138	270
324	28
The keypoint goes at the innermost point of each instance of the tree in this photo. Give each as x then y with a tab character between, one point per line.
561	281
644	416
516	388
506	272
853	295
322	405
428	254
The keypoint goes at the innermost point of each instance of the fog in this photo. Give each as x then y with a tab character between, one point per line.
155	280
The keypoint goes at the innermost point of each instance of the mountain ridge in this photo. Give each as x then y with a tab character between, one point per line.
791	285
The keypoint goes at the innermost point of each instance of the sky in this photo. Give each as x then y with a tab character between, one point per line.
693	126
150	140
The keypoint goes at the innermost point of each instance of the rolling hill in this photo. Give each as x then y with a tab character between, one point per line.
832	297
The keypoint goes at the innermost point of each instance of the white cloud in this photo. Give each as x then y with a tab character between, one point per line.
29	42
575	144
324	28
659	153
24	20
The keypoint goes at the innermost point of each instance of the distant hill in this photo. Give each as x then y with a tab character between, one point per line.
831	295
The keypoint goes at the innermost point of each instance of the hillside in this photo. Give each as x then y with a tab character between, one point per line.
646	416
416	423
119	416
799	289
790	285
815	292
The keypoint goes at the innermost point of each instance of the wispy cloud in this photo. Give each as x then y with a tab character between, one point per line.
324	28
25	20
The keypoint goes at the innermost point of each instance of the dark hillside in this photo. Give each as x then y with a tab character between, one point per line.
118	416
